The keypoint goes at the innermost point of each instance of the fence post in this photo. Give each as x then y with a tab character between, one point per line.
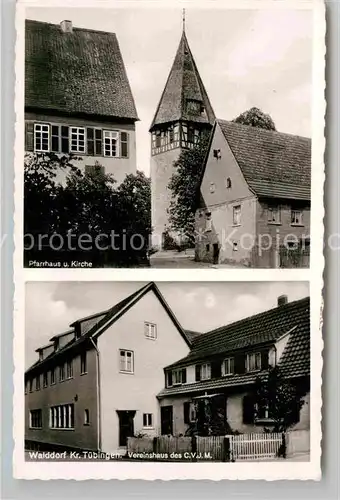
284	445
226	449
194	448
155	444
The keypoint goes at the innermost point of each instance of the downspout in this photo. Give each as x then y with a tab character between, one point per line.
99	431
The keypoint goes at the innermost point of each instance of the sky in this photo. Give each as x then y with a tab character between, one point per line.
246	58
200	306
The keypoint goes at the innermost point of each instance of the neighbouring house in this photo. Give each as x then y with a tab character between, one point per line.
220	372
78	98
97	384
255	196
183	116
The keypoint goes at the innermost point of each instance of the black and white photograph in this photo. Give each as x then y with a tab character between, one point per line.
168	137
166	372
168	236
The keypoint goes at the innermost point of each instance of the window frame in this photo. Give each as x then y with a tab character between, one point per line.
83	363
300	221
272	210
62	372
74	129
45	379
37	383
53	378
86	416
110	138
256	355
148	417
207	376
231	362
69	369
237	215
61	414
147	325
124	353
35	132
35	417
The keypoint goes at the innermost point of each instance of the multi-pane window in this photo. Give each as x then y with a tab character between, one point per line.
205	371
61	373
125	361
228	366
62	417
296	217
237	215
36	419
77	136
179	376
45	379
165	139
52	376
57	138
150	330
83	363
190	135
31	385
253	361
111	143
274	215
37	383
69	369
147	420
41	137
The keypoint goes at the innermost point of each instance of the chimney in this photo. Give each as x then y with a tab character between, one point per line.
66	26
282	300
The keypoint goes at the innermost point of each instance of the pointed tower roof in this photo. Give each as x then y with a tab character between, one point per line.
184	83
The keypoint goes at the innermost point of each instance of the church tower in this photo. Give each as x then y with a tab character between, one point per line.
183	115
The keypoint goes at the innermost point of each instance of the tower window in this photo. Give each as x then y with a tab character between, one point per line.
194	107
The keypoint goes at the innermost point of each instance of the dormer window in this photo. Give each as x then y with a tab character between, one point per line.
228	367
253	362
176	377
194	107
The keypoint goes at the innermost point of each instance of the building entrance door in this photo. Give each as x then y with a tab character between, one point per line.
126	427
166	420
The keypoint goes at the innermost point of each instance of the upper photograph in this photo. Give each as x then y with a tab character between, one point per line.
167	138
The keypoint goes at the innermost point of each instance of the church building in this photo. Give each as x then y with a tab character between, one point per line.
184	114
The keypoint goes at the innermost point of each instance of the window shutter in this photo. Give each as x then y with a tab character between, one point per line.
248	410
169	378
65	146
184	376
198	372
124	144
264	360
98	135
239	363
186	409
29	136
216	369
90	141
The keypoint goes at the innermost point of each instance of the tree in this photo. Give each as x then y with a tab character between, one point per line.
277	399
87	206
41	189
254	117
184	185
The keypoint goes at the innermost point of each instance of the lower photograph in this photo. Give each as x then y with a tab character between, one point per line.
167	371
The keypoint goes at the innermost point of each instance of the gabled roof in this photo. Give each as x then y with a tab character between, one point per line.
81	72
100	322
259	330
274	164
192	334
184	82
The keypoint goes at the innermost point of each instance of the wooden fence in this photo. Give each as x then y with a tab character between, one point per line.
256	446
211	448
